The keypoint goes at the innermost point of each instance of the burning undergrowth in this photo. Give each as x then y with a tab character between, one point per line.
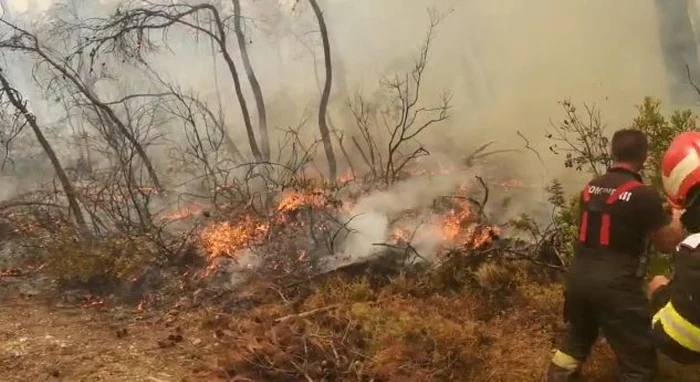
297	233
316	229
320	282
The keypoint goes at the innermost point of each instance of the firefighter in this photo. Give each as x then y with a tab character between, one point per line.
676	304
604	285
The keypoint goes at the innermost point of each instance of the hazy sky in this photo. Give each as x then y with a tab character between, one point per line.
23	5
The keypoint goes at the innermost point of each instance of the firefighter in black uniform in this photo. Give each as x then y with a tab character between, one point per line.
676	304
604	285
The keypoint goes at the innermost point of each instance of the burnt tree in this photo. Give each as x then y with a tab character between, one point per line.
252	78
127	33
16	100
27	42
325	96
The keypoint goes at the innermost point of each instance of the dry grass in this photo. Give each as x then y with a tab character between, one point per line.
351	330
410	328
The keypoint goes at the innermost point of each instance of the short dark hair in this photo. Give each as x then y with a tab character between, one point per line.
629	145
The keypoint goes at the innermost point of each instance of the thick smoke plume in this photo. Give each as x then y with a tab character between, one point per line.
507	64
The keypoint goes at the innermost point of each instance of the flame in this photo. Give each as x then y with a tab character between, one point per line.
91	301
347	177
225	239
187	212
296	199
460	226
400	234
228	238
452	224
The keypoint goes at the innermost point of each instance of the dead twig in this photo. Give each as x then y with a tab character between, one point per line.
522	256
486	194
530	148
307	313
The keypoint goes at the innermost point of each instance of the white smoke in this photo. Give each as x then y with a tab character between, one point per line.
370	218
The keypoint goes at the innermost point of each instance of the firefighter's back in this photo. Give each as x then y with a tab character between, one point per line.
617	214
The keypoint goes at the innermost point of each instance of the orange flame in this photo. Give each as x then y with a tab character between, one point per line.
347	177
295	200
224	239
92	301
187	212
461	227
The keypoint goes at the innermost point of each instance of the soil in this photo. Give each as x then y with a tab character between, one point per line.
42	340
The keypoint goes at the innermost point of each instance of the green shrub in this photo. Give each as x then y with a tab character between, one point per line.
661	131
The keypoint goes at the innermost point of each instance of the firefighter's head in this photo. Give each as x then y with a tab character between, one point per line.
680	169
629	147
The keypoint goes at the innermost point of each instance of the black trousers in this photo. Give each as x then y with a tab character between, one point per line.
623	316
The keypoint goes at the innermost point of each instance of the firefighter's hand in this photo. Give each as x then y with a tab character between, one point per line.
668	207
676	215
656	283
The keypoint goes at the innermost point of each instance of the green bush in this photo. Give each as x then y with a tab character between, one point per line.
661	131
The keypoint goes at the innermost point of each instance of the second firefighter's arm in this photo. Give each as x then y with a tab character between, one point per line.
665	231
659	292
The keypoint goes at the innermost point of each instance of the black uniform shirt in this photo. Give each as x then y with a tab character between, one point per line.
633	216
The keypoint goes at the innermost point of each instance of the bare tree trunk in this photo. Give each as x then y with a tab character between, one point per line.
15	100
5	11
236	82
254	84
323	108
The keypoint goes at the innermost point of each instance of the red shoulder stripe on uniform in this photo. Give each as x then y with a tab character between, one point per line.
583	229
586	194
620	189
605	218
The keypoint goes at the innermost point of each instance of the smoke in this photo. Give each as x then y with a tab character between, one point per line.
369	219
507	64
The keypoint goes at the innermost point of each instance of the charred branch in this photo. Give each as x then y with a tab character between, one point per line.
27	42
127	33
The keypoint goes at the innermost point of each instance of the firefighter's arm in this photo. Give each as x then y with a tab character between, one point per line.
659	293
657	286
666	238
